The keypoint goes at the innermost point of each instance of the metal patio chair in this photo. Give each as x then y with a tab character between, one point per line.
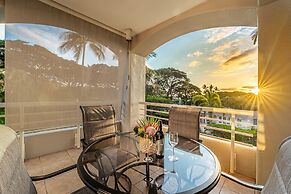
185	121
98	121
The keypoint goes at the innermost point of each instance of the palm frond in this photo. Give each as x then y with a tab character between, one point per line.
254	36
98	50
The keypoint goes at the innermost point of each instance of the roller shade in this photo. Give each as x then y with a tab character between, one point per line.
56	62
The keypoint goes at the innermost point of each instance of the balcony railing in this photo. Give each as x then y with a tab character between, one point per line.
236	126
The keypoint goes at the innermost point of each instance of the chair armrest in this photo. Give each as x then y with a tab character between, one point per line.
243	183
55	173
118	125
84	143
124	132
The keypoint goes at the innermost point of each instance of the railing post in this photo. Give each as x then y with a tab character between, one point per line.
22	145
145	110
232	141
78	136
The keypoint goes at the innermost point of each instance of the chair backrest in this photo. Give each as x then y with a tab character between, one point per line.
98	121
280	178
185	121
14	178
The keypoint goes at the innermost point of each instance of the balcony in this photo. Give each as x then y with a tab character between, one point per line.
46	81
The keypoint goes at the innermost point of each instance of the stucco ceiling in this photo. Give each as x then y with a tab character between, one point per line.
139	15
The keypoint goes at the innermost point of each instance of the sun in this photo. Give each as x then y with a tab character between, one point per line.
255	91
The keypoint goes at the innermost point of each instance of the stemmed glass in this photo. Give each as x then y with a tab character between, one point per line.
147	145
173	140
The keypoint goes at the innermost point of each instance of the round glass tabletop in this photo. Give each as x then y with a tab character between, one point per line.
114	164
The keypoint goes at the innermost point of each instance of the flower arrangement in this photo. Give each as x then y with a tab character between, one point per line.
146	130
147	127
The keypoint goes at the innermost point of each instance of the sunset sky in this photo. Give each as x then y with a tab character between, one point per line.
224	57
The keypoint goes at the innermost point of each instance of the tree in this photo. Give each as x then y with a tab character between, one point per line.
77	43
186	91
169	79
209	98
2	53
2	65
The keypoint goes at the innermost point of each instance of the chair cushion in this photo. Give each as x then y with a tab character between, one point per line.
14	178
280	178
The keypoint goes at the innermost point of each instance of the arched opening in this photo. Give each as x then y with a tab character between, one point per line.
215	69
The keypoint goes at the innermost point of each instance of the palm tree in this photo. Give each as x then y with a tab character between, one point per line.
77	43
254	36
151	55
209	98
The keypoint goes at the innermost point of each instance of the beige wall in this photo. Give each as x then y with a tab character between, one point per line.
47	143
274	22
245	155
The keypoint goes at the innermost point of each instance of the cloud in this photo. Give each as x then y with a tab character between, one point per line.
193	64
196	54
2	31
248	57
217	34
220	57
35	34
234	43
236	64
228	89
249	87
225	51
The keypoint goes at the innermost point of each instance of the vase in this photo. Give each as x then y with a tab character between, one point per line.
147	147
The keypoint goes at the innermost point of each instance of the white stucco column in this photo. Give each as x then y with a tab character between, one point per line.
274	24
137	86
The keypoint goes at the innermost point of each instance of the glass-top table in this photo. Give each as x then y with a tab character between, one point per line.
107	166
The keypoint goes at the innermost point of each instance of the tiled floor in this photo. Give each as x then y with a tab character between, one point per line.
70	181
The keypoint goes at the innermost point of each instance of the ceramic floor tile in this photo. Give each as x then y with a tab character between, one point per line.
134	176
141	185
227	191
230	185
135	190
40	187
34	167
218	187
55	161
64	183
74	154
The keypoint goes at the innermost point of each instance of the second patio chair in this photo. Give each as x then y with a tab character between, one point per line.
185	121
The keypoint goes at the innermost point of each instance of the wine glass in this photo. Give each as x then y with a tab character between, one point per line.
173	140
148	143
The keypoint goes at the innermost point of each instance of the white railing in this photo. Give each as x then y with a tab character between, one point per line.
148	109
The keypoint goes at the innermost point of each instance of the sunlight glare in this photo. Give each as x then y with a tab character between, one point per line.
255	91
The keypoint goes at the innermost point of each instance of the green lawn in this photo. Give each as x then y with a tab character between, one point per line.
240	138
